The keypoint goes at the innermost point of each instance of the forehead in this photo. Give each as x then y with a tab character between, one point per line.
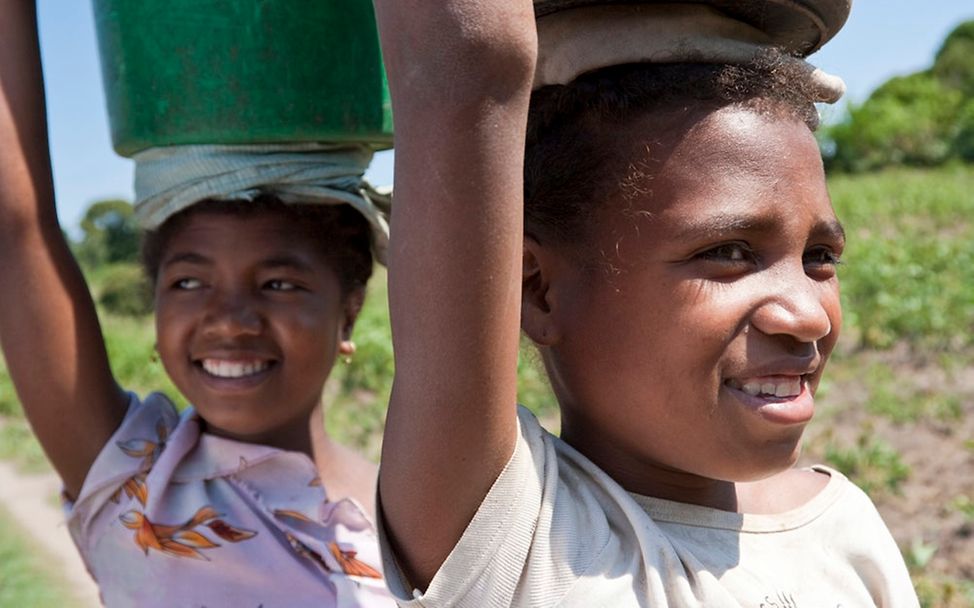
727	162
242	238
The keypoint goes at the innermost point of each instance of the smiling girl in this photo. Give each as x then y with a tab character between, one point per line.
662	232
243	499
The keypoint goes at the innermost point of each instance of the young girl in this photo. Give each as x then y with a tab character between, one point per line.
243	500
668	243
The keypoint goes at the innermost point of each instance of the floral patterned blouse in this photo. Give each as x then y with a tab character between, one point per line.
172	516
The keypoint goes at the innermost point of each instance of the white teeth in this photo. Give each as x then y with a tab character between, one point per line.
233	369
788	389
785	388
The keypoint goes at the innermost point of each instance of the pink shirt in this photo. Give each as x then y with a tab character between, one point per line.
171	516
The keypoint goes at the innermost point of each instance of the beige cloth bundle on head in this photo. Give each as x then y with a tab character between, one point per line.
583	38
170	179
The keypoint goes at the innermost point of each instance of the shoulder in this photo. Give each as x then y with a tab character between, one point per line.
154	404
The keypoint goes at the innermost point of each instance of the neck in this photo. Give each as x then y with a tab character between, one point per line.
651	478
298	436
320	443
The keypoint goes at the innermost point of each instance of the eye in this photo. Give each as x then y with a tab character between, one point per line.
187	284
733	253
821	256
280	285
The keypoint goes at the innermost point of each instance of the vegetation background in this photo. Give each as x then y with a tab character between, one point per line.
896	411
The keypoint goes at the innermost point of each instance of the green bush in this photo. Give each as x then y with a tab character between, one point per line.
110	234
910	120
125	290
921	119
964	140
954	62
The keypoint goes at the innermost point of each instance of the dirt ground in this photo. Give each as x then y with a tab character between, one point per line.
30	500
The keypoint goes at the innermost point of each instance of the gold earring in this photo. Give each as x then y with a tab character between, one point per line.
347	350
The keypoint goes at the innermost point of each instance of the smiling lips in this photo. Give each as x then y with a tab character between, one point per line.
769	386
234	369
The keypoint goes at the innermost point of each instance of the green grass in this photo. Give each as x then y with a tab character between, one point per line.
18	444
907	283
909	266
9	406
27	577
360	389
908	277
871	463
131	348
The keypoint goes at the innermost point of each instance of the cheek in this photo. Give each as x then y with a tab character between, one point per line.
315	331
833	308
168	330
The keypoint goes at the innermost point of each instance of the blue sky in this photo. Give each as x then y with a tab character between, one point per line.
882	38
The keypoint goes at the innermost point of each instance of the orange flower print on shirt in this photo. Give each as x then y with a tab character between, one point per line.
350	565
135	487
182	540
292	514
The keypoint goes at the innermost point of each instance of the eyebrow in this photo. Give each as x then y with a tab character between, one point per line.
276	261
832	230
718	226
186	258
286	261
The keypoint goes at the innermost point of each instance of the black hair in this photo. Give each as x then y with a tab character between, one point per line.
341	232
570	146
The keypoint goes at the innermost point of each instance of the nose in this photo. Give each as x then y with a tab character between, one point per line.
230	315
798	306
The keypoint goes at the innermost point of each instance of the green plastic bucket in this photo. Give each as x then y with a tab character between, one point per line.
182	72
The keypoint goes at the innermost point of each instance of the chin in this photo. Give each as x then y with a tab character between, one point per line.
767	461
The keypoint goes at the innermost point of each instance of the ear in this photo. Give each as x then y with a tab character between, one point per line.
537	319
352	306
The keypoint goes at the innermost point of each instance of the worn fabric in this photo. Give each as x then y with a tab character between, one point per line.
172	516
170	179
579	40
555	530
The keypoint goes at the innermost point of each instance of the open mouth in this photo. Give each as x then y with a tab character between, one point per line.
769	387
226	369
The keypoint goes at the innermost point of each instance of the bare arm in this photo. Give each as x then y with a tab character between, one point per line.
48	328
460	73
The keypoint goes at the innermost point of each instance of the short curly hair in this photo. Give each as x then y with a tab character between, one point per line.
569	146
341	232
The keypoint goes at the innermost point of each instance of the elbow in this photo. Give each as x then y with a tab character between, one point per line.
469	48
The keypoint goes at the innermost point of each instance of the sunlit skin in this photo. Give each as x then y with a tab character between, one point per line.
716	269
251	297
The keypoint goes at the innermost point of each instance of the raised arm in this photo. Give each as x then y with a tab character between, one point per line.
48	329
460	73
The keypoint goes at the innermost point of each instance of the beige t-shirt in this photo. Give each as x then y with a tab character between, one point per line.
555	530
